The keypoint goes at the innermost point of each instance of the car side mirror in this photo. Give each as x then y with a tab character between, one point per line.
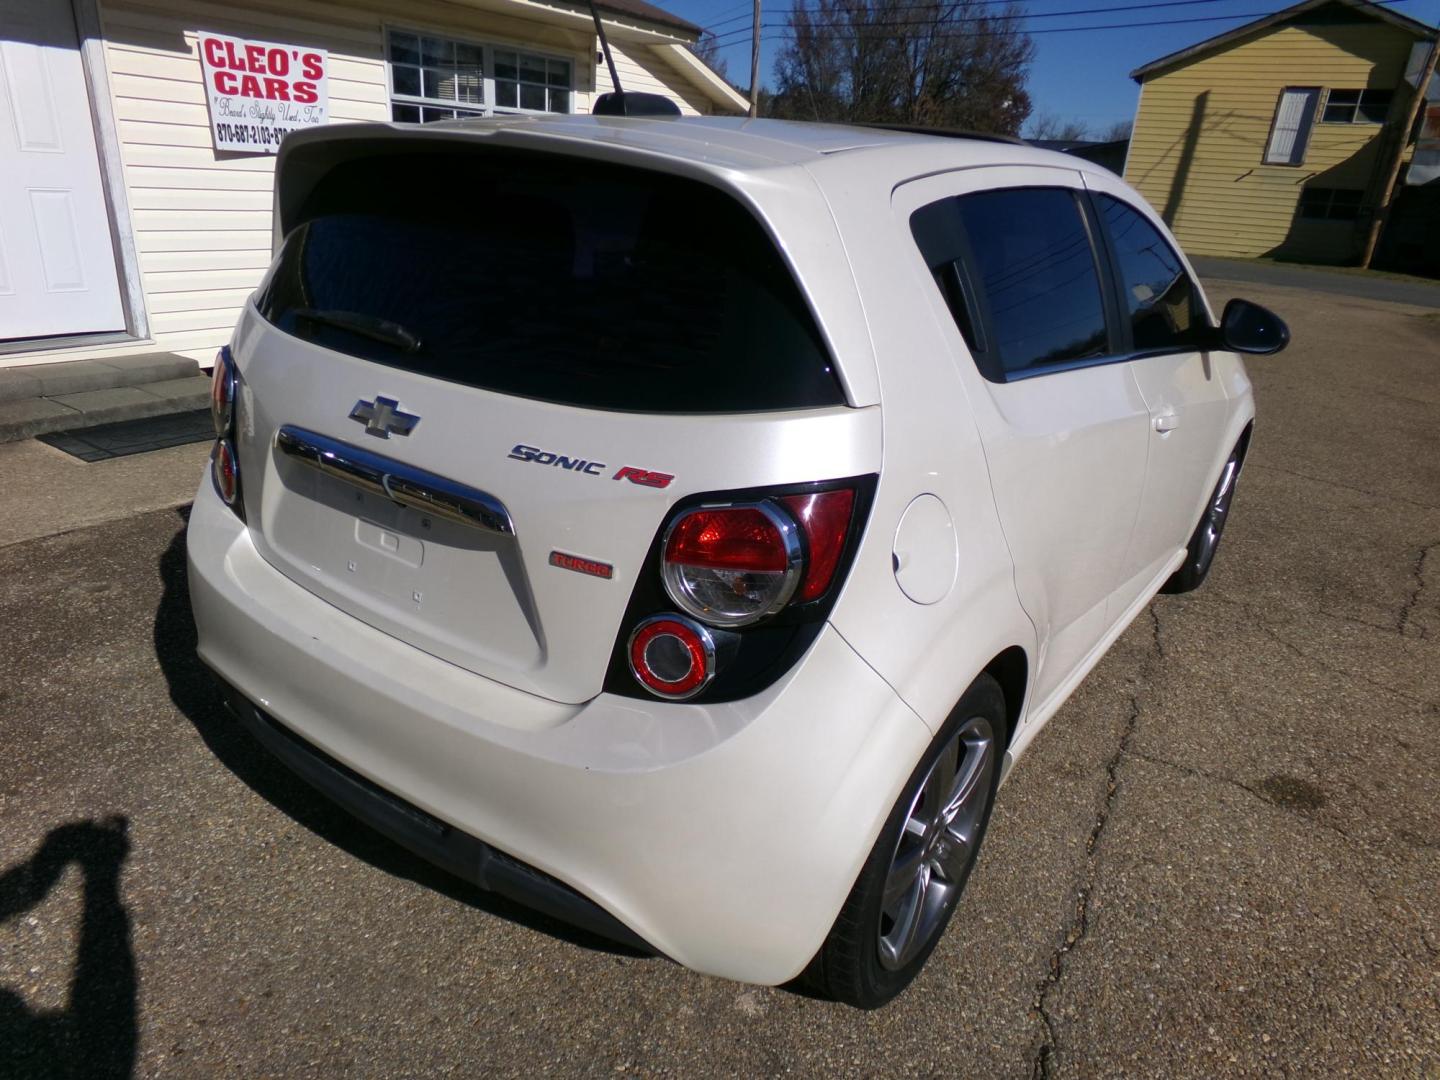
1250	328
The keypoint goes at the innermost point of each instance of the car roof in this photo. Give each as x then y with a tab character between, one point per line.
743	144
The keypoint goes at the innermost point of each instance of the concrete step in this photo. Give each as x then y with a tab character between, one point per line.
40	398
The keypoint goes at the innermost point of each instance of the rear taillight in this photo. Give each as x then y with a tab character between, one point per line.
222	393
753	575
732	565
224	465
672	656
824	518
225	471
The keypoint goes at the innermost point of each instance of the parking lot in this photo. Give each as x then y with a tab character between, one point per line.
1221	857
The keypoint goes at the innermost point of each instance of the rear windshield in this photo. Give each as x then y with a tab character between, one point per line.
554	278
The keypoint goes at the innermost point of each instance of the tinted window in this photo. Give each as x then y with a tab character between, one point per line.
1160	298
938	234
546	277
1031	261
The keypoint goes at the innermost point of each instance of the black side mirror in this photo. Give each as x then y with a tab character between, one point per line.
1250	328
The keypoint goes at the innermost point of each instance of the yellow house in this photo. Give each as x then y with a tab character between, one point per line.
1271	139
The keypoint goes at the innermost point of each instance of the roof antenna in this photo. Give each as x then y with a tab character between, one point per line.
620	103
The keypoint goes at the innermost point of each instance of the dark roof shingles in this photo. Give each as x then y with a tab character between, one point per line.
639	9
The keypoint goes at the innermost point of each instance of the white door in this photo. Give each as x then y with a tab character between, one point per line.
57	264
1064	425
1166	328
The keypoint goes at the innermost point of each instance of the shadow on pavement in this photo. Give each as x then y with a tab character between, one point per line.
195	695
95	1036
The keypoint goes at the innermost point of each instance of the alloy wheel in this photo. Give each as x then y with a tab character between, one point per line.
1215	514
937	844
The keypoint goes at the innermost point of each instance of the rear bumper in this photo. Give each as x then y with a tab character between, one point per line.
724	836
447	847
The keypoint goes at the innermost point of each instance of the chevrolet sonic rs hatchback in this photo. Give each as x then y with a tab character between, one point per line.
681	525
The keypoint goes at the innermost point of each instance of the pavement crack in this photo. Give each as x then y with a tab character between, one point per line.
1260	623
1079	924
1344	487
1417	572
1206	774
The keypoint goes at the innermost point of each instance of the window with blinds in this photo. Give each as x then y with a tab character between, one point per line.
1290	131
436	78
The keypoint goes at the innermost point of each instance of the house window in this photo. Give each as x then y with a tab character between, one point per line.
437	78
523	81
1330	204
1290	130
1357	106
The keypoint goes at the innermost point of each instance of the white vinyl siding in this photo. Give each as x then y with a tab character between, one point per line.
202	219
1290	133
640	70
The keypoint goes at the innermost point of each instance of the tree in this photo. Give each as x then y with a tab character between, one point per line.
1117	131
1045	127
932	63
707	48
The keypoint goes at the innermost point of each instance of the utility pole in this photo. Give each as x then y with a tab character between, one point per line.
1387	191
755	63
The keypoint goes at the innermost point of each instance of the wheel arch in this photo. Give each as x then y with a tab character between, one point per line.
1011	669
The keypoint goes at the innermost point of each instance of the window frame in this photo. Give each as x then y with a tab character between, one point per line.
1328	194
1122	306
987	358
1108	270
487	48
1355	109
1315	111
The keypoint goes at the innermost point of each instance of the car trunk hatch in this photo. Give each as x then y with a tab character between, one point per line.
473	386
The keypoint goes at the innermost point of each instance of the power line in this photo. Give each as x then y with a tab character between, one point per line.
743	9
1002	16
784	31
897	7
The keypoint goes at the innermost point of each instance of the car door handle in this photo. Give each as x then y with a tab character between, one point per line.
1166	422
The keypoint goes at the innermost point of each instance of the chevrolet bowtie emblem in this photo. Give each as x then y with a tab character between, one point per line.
383	418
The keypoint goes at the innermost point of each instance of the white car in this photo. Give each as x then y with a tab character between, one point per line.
682	525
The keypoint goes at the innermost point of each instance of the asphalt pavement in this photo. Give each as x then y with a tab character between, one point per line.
1222	857
1419	292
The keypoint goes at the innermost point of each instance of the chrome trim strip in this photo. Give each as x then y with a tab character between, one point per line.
396	481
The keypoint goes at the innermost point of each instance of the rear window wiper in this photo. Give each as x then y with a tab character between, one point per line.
357	322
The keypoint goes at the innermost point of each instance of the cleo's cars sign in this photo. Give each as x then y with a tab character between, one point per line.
260	91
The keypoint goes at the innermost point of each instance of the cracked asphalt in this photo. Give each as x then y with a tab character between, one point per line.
1222	857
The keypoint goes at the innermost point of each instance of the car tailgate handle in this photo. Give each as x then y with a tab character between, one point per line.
1166	422
396	481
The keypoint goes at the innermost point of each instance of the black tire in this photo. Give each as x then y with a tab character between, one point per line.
1205	540
849	966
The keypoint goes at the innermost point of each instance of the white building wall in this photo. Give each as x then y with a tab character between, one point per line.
201	217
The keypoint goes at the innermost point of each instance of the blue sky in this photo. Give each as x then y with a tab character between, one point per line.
1077	74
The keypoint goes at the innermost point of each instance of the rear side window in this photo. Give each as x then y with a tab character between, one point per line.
1161	301
1021	277
549	277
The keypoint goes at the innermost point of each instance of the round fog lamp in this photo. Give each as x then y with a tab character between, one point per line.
671	656
225	472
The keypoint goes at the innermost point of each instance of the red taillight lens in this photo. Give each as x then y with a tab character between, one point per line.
728	538
825	519
671	656
222	393
225	471
732	565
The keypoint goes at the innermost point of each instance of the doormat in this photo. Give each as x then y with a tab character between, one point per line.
127	437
